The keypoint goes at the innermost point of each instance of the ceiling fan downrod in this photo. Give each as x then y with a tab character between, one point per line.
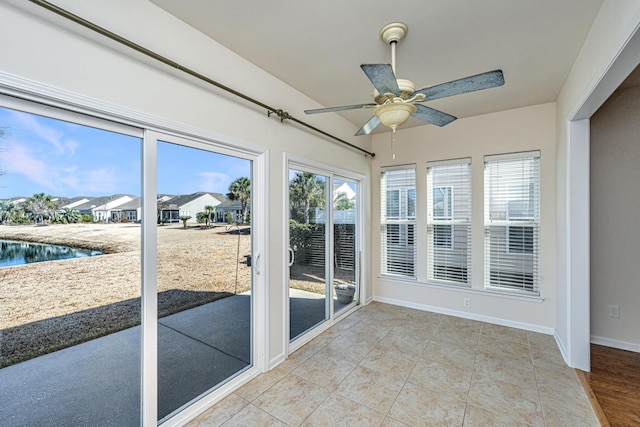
392	34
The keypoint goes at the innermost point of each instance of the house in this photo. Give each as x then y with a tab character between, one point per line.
171	208
130	211
229	211
101	208
51	61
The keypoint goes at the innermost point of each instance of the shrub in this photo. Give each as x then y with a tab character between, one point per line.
202	217
184	220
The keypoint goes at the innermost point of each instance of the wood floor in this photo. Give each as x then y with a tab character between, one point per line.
615	381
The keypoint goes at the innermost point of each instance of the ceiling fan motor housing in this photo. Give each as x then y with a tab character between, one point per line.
406	90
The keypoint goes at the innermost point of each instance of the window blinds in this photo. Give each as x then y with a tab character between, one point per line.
398	221
512	221
449	221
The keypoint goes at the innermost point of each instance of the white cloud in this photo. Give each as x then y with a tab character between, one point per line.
16	159
102	180
49	134
214	182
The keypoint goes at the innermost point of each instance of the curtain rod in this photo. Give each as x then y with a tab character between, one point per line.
103	31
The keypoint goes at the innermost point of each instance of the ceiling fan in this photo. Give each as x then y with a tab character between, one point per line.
397	99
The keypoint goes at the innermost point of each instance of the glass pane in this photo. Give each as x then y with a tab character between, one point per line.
70	276
307	242
204	272
393	203
345	227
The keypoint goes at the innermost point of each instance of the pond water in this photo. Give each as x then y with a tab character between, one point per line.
18	253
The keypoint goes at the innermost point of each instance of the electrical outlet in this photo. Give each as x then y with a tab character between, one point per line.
466	302
614	311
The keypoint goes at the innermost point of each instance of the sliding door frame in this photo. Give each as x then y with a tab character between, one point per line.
302	164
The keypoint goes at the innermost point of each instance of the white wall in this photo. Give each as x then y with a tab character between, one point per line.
39	46
592	79
615	208
193	207
523	129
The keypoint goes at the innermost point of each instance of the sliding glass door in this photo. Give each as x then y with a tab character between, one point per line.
323	248
204	270
127	266
346	259
308	236
70	276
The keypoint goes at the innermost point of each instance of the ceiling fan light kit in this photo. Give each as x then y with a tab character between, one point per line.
397	99
394	114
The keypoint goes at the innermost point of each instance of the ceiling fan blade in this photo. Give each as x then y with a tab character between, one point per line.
432	116
368	127
465	85
344	107
382	77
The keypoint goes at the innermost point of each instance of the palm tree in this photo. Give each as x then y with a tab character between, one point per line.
70	216
210	210
7	209
184	219
40	206
342	202
306	191
240	189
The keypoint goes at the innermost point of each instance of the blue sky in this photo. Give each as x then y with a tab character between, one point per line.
40	154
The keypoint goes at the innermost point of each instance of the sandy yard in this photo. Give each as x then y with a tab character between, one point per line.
51	305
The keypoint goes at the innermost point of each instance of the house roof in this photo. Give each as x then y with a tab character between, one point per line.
535	43
229	204
130	205
95	202
187	198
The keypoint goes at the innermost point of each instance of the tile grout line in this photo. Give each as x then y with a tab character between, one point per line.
535	374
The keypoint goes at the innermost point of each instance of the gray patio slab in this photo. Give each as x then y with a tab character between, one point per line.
97	383
307	311
188	368
225	327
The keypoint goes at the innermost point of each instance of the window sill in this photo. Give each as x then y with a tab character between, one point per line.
463	288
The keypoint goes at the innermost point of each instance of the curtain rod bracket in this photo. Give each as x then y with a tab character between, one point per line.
280	113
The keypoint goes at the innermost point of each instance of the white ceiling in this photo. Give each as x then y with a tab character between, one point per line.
317	46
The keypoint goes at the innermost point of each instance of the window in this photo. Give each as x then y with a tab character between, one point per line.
442	211
512	221
449	221
398	221
519	238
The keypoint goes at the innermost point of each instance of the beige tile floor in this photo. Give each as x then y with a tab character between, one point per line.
392	366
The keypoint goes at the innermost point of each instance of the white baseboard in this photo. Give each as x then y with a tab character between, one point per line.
466	315
622	345
563	350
